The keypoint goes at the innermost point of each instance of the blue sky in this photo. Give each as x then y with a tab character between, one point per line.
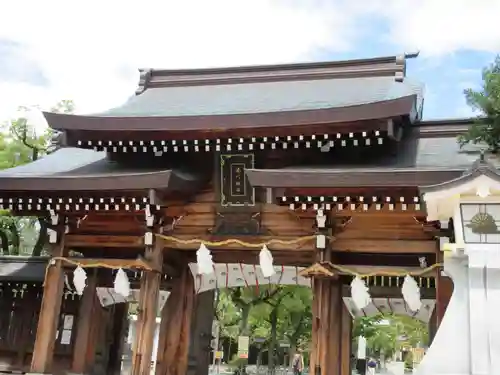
90	52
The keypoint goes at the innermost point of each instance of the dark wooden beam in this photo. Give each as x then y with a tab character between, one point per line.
305	245
75	241
384	246
384	259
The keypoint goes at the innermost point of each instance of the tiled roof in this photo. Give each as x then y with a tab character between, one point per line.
263	97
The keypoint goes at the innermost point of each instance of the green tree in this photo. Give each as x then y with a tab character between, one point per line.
270	313
273	312
486	128
387	333
286	317
22	143
296	319
233	311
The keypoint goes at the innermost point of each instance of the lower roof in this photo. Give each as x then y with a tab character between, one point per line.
73	169
419	162
23	268
358	177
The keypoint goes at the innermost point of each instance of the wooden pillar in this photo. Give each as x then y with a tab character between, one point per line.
173	348
326	340
48	319
120	325
432	326
346	341
84	347
314	368
201	334
146	314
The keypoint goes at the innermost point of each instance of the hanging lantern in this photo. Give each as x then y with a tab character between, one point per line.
266	262
122	284
204	261
79	280
359	293
411	293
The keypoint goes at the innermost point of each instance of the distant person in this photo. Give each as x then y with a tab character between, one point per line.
372	364
298	363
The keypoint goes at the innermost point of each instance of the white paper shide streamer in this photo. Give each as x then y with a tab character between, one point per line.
204	261
266	262
359	293
79	280
411	293
122	284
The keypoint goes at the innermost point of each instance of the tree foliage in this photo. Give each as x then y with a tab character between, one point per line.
22	143
275	313
486	128
386	334
280	317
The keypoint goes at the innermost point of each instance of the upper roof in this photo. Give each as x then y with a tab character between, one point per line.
259	96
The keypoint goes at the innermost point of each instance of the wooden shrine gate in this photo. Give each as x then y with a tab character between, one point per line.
308	173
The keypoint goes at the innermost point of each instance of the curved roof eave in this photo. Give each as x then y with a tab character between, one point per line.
344	178
75	182
480	167
71	169
220	123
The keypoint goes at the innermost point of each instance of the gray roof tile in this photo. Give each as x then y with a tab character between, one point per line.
65	160
263	97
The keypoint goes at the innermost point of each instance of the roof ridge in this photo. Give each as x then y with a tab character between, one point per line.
369	67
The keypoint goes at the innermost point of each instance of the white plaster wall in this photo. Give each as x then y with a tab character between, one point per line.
449	353
493	307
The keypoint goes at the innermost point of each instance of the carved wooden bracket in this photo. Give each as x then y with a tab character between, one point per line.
320	270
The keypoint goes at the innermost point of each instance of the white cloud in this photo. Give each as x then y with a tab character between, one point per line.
439	27
90	50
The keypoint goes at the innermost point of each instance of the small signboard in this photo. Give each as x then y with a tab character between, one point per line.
243	344
361	347
219	354
284	344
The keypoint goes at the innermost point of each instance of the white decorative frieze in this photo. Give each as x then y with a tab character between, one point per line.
348	203
53	205
322	141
